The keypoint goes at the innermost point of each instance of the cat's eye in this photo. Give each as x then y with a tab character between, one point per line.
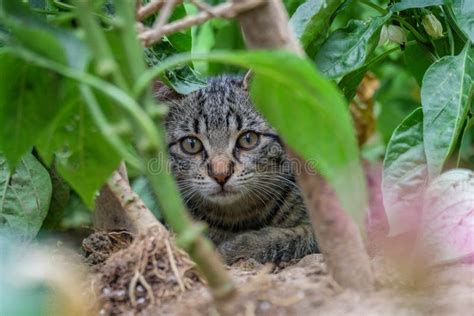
191	145
248	140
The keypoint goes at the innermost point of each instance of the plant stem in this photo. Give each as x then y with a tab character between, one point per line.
43	11
189	237
450	32
452	21
105	128
383	55
163	183
126	30
106	65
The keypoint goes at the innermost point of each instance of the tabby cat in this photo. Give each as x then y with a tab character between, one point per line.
234	174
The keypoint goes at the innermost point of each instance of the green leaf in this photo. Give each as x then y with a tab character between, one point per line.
24	198
83	156
181	40
40	4
28	103
350	82
183	79
76	214
464	13
417	59
446	94
292	5
307	109
59	200
405	175
33	33
466	148
410	4
347	49
311	22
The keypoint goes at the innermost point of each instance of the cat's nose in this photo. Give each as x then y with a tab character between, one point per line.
220	169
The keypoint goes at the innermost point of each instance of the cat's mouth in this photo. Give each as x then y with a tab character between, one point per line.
224	196
223	192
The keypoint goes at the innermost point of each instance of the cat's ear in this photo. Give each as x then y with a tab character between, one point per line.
165	94
246	80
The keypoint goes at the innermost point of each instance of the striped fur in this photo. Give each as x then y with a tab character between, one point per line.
263	215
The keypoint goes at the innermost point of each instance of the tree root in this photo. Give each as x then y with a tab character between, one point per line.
150	271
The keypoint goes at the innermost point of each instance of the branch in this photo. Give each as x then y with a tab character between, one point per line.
149	9
165	14
118	207
226	10
338	236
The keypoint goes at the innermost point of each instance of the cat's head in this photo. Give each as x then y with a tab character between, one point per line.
222	150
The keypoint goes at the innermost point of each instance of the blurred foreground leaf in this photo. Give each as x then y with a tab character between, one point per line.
447	228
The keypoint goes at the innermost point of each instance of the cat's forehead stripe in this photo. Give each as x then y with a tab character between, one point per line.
218	110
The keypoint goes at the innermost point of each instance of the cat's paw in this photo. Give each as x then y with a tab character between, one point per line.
245	246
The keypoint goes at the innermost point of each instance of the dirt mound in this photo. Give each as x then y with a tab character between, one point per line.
152	277
306	288
128	277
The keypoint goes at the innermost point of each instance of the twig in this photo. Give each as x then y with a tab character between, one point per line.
165	14
173	266
226	10
117	200
202	6
149	9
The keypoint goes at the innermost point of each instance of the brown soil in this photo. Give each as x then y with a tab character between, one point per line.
296	288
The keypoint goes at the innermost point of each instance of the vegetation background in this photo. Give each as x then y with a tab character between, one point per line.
75	100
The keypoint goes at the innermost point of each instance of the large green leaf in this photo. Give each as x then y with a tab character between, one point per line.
182	40
347	49
183	79
28	103
464	13
466	148
311	115
33	33
417	59
83	157
405	175
446	94
27	88
292	5
311	22
410	4
59	200
24	198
